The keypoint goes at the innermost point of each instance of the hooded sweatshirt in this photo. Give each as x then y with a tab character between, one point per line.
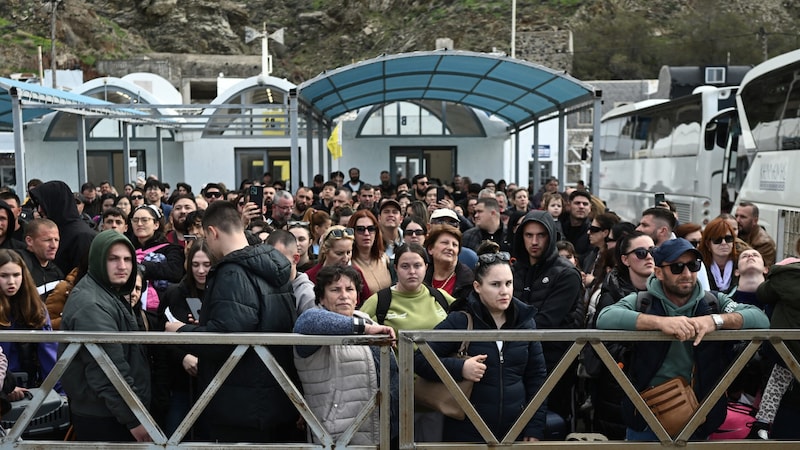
55	198
8	241
94	305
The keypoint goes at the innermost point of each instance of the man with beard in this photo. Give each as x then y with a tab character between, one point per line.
281	210
302	201
677	305
420	182
181	208
366	198
355	182
577	222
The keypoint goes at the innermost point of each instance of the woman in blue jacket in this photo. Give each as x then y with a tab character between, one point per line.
506	374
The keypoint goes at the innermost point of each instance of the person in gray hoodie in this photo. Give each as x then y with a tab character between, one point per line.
98	303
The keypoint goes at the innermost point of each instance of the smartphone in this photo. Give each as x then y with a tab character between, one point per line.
660	198
189	237
257	195
194	305
440	191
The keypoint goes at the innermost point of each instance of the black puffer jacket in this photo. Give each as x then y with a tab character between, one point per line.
507	386
248	291
552	286
56	199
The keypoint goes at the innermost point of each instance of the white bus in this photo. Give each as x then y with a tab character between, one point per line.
658	146
768	106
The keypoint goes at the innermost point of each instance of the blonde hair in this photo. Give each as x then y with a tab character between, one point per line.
329	239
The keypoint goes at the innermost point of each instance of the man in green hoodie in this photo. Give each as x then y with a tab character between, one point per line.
98	303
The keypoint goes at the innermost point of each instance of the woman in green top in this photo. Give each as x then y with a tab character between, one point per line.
413	307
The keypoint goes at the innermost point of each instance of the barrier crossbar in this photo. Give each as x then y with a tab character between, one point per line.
579	339
93	342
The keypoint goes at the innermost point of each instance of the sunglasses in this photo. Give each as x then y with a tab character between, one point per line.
610	239
215	194
297	224
137	197
677	267
491	258
694	243
450	222
415	232
338	233
641	252
728	239
370	229
593	229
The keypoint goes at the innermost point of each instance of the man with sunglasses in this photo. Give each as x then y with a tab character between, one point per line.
678	306
212	192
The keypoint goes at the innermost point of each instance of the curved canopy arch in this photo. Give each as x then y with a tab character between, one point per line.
514	90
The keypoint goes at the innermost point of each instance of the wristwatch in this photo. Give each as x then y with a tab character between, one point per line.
717	320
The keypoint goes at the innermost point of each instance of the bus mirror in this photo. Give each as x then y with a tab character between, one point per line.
716	134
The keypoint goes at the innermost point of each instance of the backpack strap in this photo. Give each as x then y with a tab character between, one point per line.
439	297
382	308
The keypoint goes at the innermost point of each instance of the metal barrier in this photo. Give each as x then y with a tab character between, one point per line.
579	339
93	343
242	342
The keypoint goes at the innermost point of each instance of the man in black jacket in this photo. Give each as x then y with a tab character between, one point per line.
248	290
552	284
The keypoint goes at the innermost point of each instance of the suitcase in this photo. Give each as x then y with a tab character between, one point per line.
51	418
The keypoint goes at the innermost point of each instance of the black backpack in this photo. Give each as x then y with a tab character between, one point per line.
385	299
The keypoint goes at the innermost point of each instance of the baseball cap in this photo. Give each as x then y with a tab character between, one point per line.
389	202
672	249
444	214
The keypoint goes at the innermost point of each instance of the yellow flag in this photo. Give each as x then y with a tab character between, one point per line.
335	142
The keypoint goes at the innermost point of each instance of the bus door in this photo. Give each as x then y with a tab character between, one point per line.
722	135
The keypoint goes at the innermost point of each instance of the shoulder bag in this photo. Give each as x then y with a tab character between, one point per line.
434	394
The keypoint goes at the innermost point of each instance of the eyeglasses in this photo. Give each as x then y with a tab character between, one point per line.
450	222
296	224
137	197
338	233
215	194
677	267
491	258
369	229
141	219
414	232
641	252
593	229
728	239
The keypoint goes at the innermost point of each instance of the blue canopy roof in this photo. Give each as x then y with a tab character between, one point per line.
514	90
52	99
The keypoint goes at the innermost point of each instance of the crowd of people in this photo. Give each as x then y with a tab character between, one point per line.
348	257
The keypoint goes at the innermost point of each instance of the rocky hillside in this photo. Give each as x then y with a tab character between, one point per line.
612	38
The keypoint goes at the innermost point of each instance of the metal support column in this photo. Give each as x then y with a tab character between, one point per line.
515	170
594	185
321	148
310	163
563	154
83	176
537	178
126	150
294	160
19	140
160	153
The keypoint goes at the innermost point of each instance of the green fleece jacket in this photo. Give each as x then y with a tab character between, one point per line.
679	361
94	305
782	289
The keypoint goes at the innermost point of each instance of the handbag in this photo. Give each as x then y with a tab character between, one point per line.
434	394
673	402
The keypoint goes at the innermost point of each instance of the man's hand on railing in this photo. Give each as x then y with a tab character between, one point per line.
474	368
140	434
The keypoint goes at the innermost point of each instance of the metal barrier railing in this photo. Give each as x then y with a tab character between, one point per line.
579	339
93	343
242	342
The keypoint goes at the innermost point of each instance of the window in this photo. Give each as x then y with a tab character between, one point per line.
715	75
421	118
586	117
